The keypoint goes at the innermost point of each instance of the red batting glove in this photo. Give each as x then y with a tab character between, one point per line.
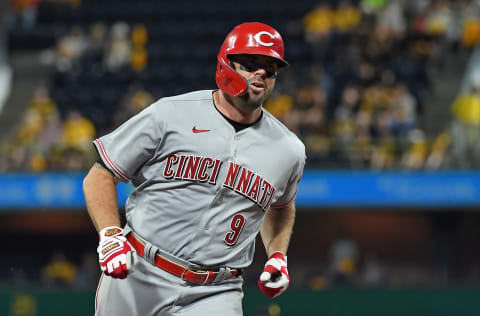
274	279
117	258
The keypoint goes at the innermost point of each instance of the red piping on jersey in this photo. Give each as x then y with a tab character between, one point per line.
104	154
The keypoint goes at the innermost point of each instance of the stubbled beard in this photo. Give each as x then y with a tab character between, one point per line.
254	100
251	101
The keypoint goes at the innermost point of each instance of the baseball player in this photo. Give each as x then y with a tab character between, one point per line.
210	170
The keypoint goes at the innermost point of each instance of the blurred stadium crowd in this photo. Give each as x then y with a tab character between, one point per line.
360	77
357	92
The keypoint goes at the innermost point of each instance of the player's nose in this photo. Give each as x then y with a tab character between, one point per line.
260	72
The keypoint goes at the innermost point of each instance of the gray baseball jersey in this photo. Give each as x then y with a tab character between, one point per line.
201	189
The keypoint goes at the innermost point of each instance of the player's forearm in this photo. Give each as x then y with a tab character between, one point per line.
277	228
99	187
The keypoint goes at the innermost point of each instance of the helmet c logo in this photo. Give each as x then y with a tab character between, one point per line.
259	40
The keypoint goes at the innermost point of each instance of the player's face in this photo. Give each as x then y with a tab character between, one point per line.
261	72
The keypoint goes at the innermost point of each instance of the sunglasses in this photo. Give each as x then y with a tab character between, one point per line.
250	66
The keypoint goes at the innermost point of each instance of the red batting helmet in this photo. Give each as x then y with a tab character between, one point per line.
246	38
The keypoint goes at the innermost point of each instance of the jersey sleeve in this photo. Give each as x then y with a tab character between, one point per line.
292	185
133	143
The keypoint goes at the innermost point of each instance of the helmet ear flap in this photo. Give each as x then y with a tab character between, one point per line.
229	80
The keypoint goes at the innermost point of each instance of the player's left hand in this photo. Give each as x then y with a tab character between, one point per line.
274	279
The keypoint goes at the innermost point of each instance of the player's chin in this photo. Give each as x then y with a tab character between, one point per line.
256	102
259	96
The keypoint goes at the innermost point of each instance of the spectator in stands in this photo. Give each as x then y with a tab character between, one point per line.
88	272
439	18
437	157
119	47
139	35
51	130
27	140
281	105
307	119
96	41
466	128
12	156
404	108
374	272
344	117
318	23
71	48
392	17
416	154
136	99
343	260
139	39
59	271
346	16
364	73
471	33
78	133
30	127
23	15
383	154
139	58
307	111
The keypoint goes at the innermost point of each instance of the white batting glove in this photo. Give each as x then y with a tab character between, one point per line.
274	279
116	256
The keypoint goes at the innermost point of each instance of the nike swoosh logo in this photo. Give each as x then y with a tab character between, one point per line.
195	130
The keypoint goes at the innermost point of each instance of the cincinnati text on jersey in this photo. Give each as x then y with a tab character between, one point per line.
206	169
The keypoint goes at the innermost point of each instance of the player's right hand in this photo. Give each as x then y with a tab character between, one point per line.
116	256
